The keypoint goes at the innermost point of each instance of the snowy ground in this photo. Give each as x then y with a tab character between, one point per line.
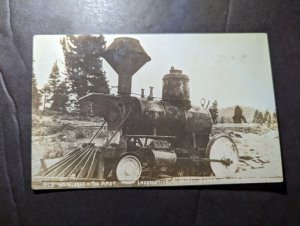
259	149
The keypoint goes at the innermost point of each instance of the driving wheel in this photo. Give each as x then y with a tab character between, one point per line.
223	155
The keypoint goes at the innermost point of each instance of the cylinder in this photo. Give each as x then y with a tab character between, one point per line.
164	158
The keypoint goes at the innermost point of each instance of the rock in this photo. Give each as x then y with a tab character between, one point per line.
263	160
253	164
246	157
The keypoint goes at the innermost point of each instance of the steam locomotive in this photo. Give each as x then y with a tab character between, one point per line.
149	137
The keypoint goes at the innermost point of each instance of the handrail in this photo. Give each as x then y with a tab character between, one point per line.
115	132
97	132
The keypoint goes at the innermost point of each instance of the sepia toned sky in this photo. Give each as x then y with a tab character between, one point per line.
233	69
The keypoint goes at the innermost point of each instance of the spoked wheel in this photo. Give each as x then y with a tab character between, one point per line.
223	155
128	169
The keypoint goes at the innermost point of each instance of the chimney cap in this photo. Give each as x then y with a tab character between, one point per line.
175	74
126	55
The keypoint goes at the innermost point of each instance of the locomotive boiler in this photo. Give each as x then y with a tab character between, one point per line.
149	137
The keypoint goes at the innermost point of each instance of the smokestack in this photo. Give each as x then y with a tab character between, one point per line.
126	56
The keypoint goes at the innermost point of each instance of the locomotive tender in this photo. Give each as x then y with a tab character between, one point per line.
149	138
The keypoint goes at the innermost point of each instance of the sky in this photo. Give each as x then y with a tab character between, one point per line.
233	69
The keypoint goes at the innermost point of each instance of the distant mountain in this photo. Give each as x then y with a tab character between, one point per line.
228	112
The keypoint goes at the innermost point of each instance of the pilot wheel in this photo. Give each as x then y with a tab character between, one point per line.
128	169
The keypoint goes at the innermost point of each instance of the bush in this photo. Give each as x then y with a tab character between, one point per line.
65	126
79	135
61	137
52	130
52	154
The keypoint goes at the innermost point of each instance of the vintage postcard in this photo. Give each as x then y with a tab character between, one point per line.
134	110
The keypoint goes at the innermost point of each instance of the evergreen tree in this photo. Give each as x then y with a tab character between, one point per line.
36	95
267	116
60	98
255	116
238	116
260	118
84	64
222	120
269	120
55	92
274	118
53	82
54	78
214	111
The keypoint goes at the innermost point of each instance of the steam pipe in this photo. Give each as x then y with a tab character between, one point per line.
150	97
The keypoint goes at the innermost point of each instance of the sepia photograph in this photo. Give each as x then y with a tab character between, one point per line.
146	110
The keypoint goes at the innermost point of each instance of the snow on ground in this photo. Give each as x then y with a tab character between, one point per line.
259	146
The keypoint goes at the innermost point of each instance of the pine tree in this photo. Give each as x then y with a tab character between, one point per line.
84	64
51	88
274	118
238	116
269	120
267	116
60	98
255	116
222	120
36	95
53	81
54	78
260	118
214	111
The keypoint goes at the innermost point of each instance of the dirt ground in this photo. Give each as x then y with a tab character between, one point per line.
54	136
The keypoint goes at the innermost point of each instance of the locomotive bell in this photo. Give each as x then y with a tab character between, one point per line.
176	89
126	56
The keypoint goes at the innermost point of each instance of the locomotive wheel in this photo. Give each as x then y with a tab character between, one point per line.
128	169
223	148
